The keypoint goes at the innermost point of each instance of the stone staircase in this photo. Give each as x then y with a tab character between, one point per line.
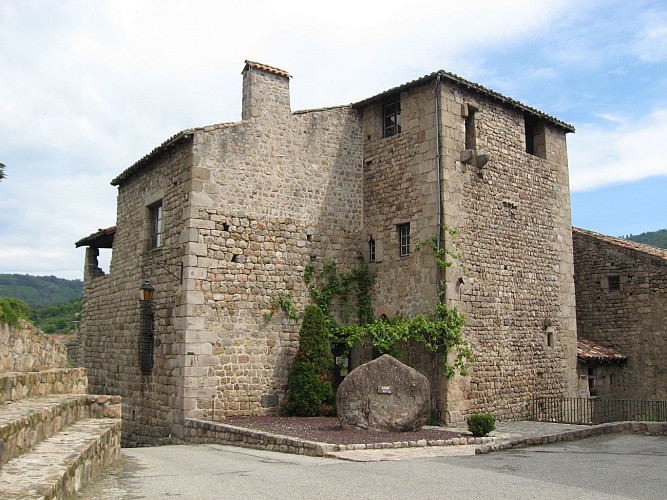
53	436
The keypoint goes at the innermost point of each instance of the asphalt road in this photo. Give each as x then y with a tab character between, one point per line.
608	466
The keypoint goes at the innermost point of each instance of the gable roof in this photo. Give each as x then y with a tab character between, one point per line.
457	80
587	350
652	251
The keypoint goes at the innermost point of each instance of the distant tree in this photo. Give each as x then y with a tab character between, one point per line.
2	171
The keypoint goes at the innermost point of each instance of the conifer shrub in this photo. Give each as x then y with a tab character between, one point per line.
310	391
480	424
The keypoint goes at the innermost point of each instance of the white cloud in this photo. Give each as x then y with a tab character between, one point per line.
651	42
624	150
90	87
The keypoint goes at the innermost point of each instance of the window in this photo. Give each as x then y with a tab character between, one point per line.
471	135
371	250
535	137
147	341
155	215
404	239
614	283
392	117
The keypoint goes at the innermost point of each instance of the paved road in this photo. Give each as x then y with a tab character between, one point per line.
608	466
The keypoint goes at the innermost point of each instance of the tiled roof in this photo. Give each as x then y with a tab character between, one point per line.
470	86
265	67
173	140
587	350
102	238
660	253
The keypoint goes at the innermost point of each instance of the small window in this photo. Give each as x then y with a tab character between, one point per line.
155	214
392	117
471	134
404	239
614	283
371	250
146	343
535	137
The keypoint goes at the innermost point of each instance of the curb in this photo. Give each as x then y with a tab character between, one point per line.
648	428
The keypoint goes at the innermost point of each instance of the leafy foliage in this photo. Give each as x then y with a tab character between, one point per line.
310	390
2	171
11	310
58	318
40	291
480	424
655	238
283	302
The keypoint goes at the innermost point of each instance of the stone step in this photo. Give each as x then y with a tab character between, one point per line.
26	422
15	386
59	466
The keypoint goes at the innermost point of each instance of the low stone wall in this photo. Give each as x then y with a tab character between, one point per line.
649	428
16	386
203	431
25	348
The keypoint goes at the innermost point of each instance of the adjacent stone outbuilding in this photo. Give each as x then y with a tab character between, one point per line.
622	305
220	220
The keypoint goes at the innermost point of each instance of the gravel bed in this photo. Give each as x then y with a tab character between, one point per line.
329	430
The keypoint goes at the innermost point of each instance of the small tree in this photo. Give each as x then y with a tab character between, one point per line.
310	386
2	171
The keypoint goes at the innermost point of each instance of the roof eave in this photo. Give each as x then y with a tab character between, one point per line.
470	86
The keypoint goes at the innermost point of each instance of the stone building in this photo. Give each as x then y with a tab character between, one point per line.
222	219
621	291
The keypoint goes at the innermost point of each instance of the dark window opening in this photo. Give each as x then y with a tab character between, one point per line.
614	283
147	341
155	214
392	118
471	135
535	137
404	239
371	250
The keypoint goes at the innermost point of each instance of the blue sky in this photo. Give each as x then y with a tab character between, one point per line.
88	88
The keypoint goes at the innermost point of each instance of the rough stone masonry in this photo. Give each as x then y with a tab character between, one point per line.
240	209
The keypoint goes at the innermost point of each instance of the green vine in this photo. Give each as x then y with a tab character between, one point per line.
283	302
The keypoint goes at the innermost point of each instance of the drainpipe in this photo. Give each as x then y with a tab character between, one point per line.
438	166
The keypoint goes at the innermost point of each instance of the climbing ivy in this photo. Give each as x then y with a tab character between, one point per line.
283	302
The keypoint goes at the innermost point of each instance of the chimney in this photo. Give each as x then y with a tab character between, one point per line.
265	92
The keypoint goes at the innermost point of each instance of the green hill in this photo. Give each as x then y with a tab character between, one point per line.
55	302
40	291
655	238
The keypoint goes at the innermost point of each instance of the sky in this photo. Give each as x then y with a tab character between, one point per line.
89	87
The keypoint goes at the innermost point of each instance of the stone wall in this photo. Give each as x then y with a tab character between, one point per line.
631	319
247	206
515	278
111	318
24	348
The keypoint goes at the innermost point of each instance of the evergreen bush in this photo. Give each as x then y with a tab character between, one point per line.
13	309
310	391
480	424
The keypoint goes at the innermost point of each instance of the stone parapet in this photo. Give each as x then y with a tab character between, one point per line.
25	348
15	386
202	431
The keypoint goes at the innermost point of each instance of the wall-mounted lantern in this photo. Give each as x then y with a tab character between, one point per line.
147	291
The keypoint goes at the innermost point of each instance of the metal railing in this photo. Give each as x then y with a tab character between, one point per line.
596	410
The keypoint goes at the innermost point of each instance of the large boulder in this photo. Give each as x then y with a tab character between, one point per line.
384	395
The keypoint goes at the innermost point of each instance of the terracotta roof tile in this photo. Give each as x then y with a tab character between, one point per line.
471	86
660	253
587	350
265	67
102	238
